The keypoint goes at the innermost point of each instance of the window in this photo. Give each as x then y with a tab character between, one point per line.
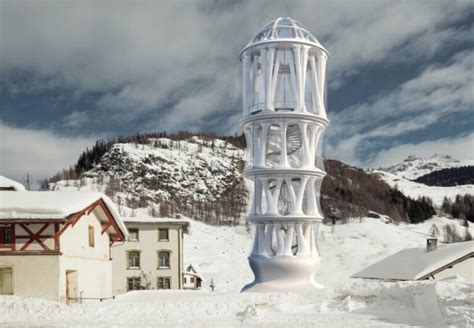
6	236
184	280
164	283
91	236
133	234
133	283
8	240
192	279
134	259
6	281
163	234
164	259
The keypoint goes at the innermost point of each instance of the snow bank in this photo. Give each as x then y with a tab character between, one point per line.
220	253
420	303
357	305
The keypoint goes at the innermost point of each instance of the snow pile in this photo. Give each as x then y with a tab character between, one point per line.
421	303
220	253
414	167
415	190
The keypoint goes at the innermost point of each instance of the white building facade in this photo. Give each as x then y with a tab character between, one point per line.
284	115
152	256
56	245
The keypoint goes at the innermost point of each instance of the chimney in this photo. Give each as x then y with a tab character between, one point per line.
431	244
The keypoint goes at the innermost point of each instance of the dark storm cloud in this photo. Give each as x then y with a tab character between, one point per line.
174	64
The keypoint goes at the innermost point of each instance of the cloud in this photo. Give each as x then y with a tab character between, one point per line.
40	153
436	93
460	147
163	60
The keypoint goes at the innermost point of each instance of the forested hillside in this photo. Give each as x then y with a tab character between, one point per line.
199	175
454	176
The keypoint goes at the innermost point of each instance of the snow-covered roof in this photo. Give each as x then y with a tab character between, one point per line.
52	205
197	275
284	29
10	184
137	219
416	263
151	220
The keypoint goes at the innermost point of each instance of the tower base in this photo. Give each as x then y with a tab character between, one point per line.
283	274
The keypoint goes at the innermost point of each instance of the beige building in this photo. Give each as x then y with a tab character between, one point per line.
56	245
152	257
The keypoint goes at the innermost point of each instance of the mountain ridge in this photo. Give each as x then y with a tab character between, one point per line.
414	167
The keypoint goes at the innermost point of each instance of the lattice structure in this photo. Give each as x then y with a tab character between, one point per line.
284	89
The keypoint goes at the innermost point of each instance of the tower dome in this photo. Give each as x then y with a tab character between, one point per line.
284	29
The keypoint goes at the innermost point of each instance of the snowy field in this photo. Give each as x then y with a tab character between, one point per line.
415	190
220	254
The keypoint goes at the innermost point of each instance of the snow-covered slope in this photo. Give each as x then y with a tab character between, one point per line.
162	169
220	254
415	189
197	177
414	167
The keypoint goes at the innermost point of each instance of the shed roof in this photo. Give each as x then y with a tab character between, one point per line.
52	205
416	263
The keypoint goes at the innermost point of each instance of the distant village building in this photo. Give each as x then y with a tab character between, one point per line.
191	278
10	185
431	262
56	245
152	256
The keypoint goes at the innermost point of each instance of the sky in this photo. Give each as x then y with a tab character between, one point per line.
400	75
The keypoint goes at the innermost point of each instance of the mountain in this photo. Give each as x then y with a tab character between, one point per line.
414	167
200	177
197	176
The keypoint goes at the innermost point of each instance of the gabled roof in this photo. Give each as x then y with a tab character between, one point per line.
9	184
190	268
52	205
417	263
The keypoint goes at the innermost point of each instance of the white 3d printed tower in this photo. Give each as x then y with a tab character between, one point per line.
284	68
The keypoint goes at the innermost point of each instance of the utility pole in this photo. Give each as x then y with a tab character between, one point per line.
28	182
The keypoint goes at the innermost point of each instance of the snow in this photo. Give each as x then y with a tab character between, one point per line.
147	219
415	190
56	205
416	263
164	169
414	167
221	253
6	183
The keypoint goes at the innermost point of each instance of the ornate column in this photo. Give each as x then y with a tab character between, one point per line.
282	142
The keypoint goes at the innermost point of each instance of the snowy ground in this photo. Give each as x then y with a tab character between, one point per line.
220	254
